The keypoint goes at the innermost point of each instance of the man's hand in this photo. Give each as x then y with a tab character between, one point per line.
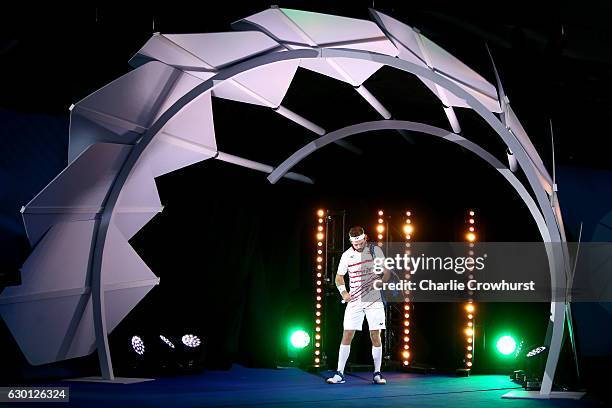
346	296
386	275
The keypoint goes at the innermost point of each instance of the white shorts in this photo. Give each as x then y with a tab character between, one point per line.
354	312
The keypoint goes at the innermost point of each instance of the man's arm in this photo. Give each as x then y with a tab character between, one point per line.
342	269
340	283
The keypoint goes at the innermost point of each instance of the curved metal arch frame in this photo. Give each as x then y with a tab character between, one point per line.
100	233
364	127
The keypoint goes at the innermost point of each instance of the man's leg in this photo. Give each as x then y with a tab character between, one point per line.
345	349
376	321
353	320
376	349
343	355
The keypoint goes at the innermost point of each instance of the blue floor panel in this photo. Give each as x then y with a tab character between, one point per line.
291	387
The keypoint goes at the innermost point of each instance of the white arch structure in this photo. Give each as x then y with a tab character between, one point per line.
82	277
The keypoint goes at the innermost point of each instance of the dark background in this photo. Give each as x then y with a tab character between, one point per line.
235	253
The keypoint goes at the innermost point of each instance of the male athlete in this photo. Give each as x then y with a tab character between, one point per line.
361	300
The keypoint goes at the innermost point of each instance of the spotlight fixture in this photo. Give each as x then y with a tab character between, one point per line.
167	341
506	345
138	345
300	339
534	352
191	340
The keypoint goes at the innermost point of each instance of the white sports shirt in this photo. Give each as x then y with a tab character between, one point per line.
360	267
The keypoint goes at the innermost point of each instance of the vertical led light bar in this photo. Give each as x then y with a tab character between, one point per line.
408	230
470	307
380	228
321	234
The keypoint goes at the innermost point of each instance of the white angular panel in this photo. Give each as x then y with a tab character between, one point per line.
80	188
517	129
84	339
447	98
138	202
85	183
203	75
58	262
382	45
402	35
271	81
119	303
49	314
418	49
219	49
166	154
354	72
130	102
160	48
443	61
135	96
266	85
326	29
459	73
41	327
129	223
321	66
38	224
195	123
125	276
139	191
544	181
492	104
120	263
357	70
234	91
184	83
87	128
42	311
274	22
304	28
407	42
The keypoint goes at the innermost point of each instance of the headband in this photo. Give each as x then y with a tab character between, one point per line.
357	238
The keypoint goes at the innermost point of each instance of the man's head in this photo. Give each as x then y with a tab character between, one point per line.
358	238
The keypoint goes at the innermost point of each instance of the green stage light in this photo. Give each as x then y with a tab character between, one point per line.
299	339
506	345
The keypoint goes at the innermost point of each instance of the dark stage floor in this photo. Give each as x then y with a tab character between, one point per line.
295	388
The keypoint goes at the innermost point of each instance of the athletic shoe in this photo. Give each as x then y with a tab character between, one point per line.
378	378
338	378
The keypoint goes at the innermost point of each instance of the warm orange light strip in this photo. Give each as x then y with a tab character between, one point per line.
408	230
380	228
471	237
320	235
